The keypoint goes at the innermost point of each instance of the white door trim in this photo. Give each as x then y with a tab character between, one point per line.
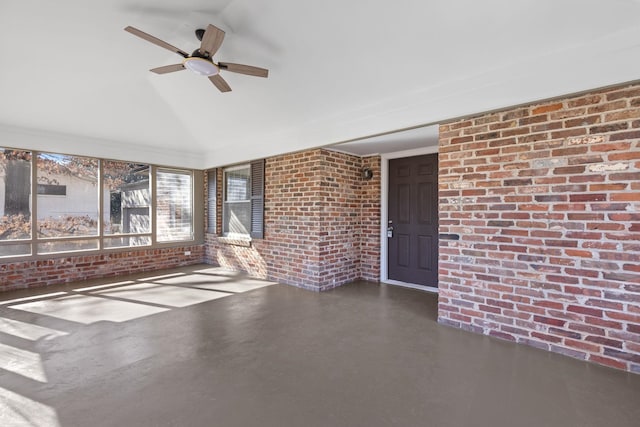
384	213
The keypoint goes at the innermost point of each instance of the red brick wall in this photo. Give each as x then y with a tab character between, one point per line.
36	273
545	200
370	221
314	228
339	233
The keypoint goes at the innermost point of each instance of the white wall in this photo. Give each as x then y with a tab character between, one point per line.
81	199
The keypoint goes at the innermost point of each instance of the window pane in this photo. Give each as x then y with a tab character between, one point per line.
173	206
127	241
15	194
238	187
67	246
237	217
212	198
127	198
15	250
74	213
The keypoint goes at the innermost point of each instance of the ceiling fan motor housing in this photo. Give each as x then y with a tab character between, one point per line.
196	54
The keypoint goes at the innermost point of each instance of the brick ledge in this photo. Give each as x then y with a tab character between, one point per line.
234	241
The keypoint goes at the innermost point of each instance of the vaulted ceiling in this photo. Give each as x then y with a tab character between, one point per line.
73	81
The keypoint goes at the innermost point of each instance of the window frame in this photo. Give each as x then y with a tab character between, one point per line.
257	200
155	194
196	216
212	201
238	236
122	235
39	241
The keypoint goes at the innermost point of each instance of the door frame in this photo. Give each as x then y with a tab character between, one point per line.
384	214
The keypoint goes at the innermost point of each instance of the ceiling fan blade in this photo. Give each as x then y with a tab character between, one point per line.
220	83
244	69
156	41
211	40
167	69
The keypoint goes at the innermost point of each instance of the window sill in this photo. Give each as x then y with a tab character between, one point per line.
235	241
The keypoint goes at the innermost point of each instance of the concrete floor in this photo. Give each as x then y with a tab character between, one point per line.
202	347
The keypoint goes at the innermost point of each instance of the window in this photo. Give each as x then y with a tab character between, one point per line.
174	205
243	202
56	203
127	204
15	202
236	216
59	219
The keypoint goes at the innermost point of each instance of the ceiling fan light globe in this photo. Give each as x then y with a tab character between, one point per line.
201	66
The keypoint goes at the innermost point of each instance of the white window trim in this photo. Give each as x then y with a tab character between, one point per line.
160	169
234	236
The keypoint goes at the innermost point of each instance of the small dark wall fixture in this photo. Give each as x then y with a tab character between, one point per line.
446	236
367	174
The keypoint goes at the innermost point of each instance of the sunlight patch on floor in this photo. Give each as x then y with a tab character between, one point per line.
89	309
20	411
172	296
22	362
31	298
193	280
124	300
27	331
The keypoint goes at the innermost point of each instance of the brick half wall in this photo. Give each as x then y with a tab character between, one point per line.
55	271
545	200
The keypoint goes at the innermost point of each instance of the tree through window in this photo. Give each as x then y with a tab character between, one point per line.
15	201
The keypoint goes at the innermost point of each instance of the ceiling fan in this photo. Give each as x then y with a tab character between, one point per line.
201	60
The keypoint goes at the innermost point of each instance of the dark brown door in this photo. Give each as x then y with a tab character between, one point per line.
413	220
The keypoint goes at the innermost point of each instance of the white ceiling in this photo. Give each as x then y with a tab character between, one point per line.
73	81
